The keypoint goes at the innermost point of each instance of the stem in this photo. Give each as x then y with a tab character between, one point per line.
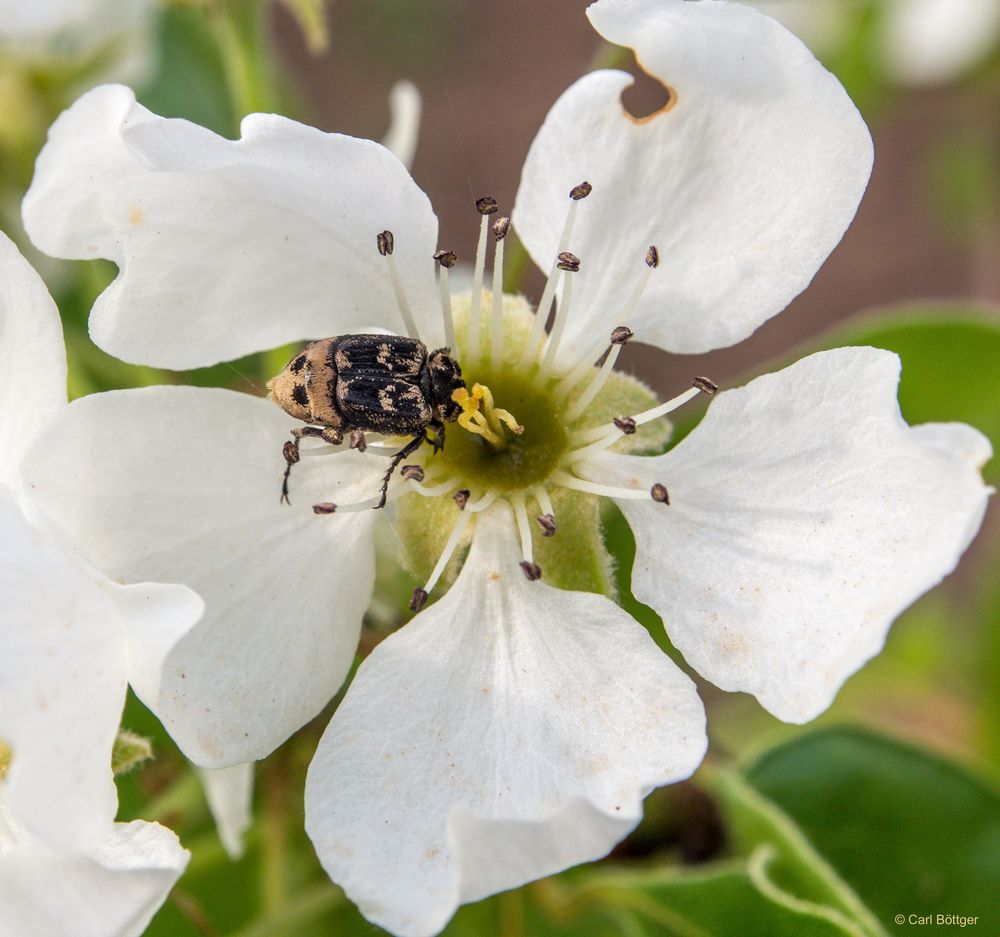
274	839
238	27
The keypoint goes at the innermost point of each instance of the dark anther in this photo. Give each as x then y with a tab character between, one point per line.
386	242
659	493
548	524
625	424
358	440
705	385
568	261
446	258
501	227
486	205
291	452
413	473
419	599
621	335
326	507
532	571
461	498
653	256
580	191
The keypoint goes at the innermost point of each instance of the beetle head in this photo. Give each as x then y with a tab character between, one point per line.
446	377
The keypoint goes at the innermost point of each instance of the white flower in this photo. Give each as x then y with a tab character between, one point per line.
918	41
71	640
512	728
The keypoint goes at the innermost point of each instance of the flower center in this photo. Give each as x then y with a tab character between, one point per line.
493	454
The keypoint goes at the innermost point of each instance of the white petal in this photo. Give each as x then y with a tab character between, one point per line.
404	130
509	731
32	357
62	687
228	247
182	484
229	792
745	184
157	616
930	41
804	516
111	890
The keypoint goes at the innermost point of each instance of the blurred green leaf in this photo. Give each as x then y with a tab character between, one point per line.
734	899
908	831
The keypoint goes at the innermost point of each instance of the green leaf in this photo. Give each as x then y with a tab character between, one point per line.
797	868
950	354
909	832
731	899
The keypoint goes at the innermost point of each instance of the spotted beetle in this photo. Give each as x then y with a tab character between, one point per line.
367	383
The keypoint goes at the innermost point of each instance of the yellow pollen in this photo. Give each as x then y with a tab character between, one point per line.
481	416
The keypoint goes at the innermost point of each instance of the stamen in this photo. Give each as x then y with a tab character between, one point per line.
562	314
593	488
486	206
581	370
619	338
577	193
433	491
500	228
604	436
445	261
543	499
473	507
386	244
328	507
449	548
577	371
548	524
659	493
531	570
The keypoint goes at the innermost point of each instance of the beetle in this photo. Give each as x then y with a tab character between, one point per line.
354	384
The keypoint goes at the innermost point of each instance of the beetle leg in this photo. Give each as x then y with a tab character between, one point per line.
290	450
412	446
437	440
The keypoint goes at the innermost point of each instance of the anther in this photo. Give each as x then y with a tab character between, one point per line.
291	452
568	262
659	494
486	205
326	507
461	498
580	191
419	599
621	335
705	385
413	473
358	440
386	242
446	258
653	256
548	524
500	227
532	571
625	424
